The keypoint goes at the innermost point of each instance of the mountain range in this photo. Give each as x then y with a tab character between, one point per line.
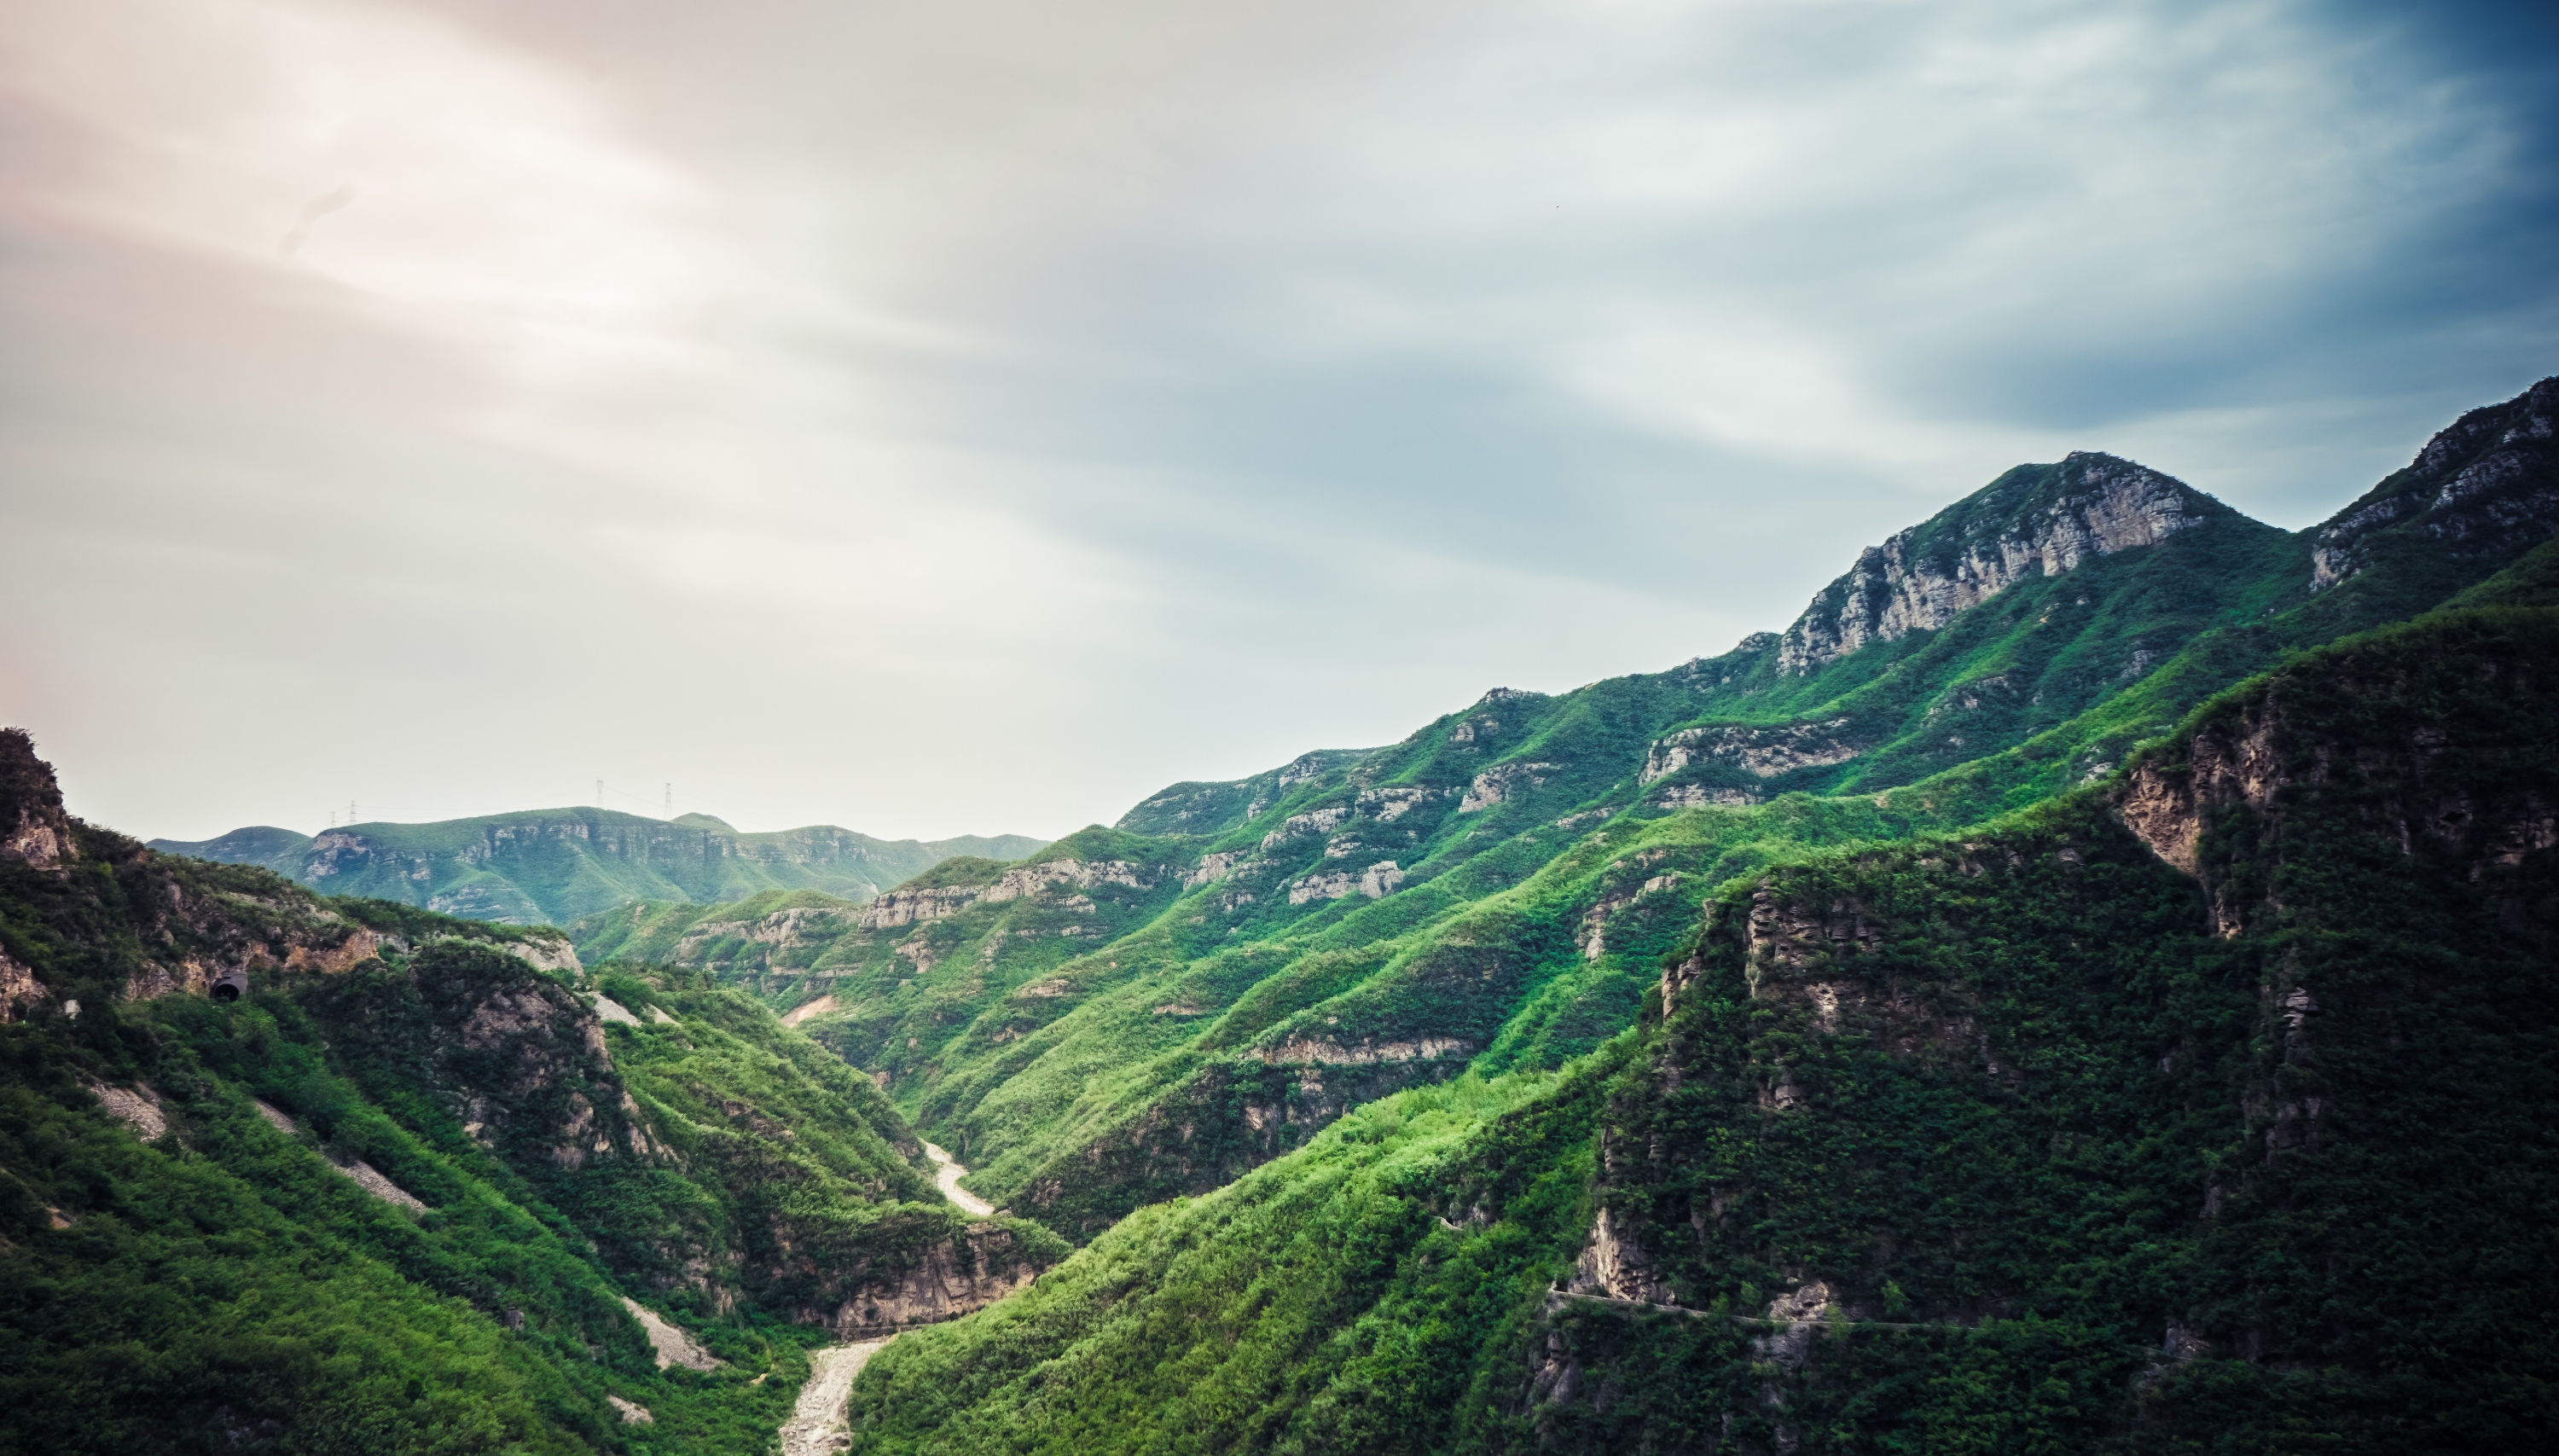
1152	1008
551	866
2088	985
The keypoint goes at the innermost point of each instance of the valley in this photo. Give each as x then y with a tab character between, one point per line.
2087	983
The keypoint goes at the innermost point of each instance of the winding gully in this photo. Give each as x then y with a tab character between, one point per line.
819	1425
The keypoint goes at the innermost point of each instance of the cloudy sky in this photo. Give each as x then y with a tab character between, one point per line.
969	417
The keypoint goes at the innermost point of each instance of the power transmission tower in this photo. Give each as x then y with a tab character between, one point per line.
599	794
670	801
351	813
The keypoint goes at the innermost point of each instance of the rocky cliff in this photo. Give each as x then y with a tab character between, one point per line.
140	924
2485	486
2033	522
411	1153
34	830
2250	1008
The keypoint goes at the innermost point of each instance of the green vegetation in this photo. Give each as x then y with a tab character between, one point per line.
1986	1142
394	1198
2116	1016
1150	1011
551	866
1340	1300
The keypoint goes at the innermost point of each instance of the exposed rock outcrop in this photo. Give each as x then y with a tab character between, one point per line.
1614	1266
1376	882
1698	795
953	1277
1385	805
784	930
371	1180
1214	867
914	906
906	907
1299	826
34	830
1317	1051
1501	782
2050	521
20	991
1763	752
2489	483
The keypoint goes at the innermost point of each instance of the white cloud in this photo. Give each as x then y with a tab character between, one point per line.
967	417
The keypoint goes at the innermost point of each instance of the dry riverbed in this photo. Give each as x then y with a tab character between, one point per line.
818	1426
946	1175
817	1423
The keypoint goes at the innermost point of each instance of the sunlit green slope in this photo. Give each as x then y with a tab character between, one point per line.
2204	1108
400	1193
551	866
1152	1009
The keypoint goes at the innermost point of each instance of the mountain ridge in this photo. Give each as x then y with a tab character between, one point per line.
2201	1108
288	1172
1247	959
551	866
2116	1018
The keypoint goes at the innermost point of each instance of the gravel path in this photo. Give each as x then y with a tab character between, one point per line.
816	1426
948	1179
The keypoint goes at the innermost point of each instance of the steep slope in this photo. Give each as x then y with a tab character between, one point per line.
2208	1108
551	866
1151	1010
417	1184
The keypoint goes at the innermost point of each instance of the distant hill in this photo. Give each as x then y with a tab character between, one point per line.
553	866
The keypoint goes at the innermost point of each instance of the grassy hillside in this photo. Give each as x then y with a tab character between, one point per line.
407	1192
1150	1010
551	866
2204	1108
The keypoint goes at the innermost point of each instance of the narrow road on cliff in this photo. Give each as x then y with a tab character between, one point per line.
818	1425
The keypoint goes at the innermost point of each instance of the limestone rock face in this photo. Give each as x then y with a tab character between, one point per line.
1614	1266
2165	804
2489	483
1368	1052
953	1278
1320	821
1762	753
1376	882
908	907
1500	783
784	929
915	907
2265	756
1922	578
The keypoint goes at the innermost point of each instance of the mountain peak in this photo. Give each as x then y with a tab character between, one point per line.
2033	520
2486	486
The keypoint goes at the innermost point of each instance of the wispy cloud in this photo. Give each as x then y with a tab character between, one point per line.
965	417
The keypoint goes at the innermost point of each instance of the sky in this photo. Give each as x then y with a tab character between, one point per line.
970	418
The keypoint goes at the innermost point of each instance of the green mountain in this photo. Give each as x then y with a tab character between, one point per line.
551	866
2090	984
2203	1109
1152	1009
287	1173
